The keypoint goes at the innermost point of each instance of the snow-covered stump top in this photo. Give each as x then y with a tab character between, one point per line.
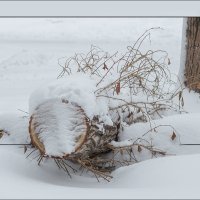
58	127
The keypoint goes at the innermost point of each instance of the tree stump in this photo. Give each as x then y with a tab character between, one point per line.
60	129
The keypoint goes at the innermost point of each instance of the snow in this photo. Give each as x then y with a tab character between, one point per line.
162	173
84	29
78	88
16	126
29	60
157	178
185	127
183	51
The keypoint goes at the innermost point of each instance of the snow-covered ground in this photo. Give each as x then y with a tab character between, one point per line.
30	49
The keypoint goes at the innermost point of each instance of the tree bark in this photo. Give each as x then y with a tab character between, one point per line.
192	62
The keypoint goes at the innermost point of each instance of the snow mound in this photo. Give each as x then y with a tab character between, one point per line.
159	135
169	177
169	172
16	127
78	88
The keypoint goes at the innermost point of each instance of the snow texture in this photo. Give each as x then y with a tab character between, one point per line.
58	125
183	51
78	88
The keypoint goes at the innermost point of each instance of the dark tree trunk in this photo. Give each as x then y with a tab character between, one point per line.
192	62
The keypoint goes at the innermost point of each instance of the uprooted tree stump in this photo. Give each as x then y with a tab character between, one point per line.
60	129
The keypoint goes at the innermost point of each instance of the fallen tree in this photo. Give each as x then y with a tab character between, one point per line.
81	118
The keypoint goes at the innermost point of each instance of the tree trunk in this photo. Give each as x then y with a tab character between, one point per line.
192	62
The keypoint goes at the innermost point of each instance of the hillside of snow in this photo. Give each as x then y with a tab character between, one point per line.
30	49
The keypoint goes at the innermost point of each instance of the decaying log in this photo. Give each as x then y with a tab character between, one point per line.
94	135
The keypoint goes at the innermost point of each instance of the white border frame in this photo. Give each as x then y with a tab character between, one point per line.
109	8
